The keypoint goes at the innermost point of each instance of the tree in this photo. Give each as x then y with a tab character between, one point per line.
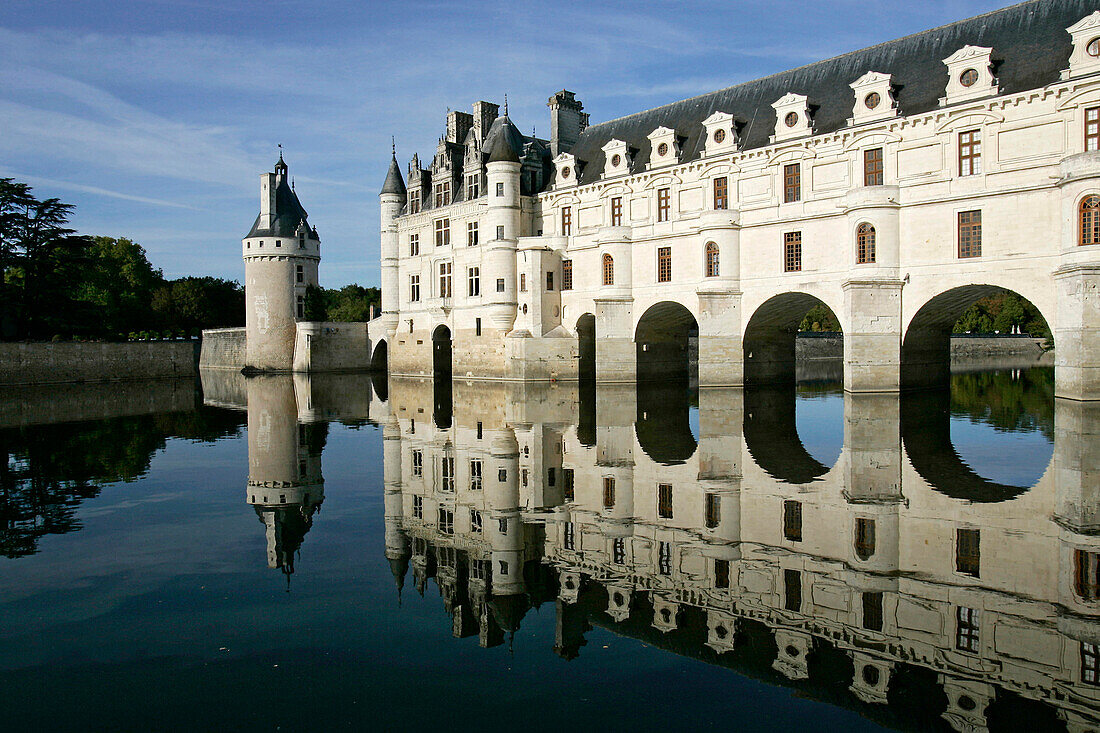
193	303
121	283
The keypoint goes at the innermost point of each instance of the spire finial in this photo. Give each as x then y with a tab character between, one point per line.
506	104
280	152
393	145
291	184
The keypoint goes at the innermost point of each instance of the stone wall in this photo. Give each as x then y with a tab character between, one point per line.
964	349
40	404
223	348
327	346
49	363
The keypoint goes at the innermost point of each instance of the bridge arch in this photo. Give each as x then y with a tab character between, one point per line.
926	342
772	439
666	338
768	339
379	361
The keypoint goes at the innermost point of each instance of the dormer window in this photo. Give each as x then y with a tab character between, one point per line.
721	134
473	187
567	169
874	98
792	114
970	75
617	158
443	193
664	146
414	201
1085	58
791	119
662	149
565	173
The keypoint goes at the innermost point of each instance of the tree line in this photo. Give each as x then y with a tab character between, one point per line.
61	285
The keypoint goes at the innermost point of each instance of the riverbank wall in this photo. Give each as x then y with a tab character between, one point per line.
59	363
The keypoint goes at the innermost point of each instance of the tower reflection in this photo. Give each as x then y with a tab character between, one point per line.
897	581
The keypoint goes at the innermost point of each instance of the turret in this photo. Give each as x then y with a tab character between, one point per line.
281	256
392	199
503	145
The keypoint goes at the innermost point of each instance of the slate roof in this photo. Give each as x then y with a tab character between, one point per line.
394	182
504	141
1030	47
289	214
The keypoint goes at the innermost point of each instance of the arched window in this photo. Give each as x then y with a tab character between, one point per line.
1090	220
608	270
865	244
710	253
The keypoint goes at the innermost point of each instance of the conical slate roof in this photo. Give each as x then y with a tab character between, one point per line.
289	214
394	182
504	141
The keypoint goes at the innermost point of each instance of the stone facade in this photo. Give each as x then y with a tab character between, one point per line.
894	185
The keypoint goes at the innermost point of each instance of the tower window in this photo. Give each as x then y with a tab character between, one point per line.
567	274
664	264
523	282
970	153
664	204
299	274
500	189
301	307
471	234
566	221
608	270
792	520
477	332
500	231
721	193
1092	128
1086	575
549	281
970	234
617	211
792	182
792	252
968	555
865	244
664	501
872	167
567	483
710	255
1090	220
500	285
608	492
712	510
865	538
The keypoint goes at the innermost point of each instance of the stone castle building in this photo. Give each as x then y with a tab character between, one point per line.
895	185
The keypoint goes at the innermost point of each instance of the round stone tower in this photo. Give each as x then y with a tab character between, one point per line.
503	178
281	255
392	201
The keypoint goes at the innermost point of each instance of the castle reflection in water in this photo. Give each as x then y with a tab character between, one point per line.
698	523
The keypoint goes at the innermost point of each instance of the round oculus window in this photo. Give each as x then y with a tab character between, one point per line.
1093	47
872	100
565	172
969	77
791	119
616	159
662	149
719	136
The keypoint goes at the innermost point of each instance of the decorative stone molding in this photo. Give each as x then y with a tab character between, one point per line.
664	147
721	132
616	158
874	101
792	117
565	170
1084	32
969	75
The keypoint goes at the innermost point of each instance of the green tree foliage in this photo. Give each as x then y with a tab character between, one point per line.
191	304
1011	402
1000	312
350	303
820	318
120	283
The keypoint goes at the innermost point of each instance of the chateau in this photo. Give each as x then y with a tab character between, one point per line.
894	185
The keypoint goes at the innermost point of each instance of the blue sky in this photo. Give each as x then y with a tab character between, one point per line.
156	117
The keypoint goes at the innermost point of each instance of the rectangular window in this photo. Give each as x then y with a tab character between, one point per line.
664	501
618	551
608	492
301	307
567	483
792	182
968	555
500	189
551	476
570	538
418	507
523	476
500	285
479	434
966	629
473	187
664	264
299	274
792	520
617	211
1092	128
872	611
970	234
721	193
446	521
477	332
418	463
664	204
970	153
502	525
865	538
445	279
414	245
443	193
664	558
549	281
872	167
792	252
442	232
566	221
414	201
502	475
448	473
414	288
523	282
500	232
476	524
1090	664
474	281
792	590
712	510
475	474
1086	575
721	573
567	274
471	234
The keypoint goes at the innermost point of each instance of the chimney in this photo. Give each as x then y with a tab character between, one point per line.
458	124
485	113
567	121
268	185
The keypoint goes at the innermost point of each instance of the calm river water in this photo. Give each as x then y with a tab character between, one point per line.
335	553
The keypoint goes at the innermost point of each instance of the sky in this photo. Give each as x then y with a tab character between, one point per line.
155	118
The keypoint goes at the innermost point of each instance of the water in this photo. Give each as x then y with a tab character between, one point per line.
173	561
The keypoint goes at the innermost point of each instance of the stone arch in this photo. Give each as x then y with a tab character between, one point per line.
586	375
379	361
771	435
667	339
769	337
441	371
663	423
926	344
